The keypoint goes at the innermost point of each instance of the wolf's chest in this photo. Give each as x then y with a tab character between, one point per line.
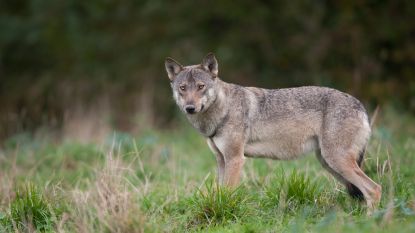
205	127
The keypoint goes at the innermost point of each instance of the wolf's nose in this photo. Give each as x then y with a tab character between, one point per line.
190	109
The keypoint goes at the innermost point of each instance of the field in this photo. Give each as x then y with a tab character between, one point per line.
163	181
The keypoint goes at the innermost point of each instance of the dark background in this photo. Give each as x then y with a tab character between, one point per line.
98	65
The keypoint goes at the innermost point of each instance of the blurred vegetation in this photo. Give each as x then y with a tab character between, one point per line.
65	59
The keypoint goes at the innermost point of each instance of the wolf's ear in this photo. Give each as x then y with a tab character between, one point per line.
210	64
172	67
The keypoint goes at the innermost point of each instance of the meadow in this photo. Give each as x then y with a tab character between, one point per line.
164	181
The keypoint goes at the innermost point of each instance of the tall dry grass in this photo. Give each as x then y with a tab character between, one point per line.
111	202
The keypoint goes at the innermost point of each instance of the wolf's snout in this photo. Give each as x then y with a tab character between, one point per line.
190	109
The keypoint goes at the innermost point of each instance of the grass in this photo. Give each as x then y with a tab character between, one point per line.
295	190
217	205
31	210
161	182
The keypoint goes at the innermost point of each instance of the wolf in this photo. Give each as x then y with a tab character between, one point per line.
279	124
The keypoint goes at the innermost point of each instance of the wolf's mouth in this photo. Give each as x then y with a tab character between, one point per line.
203	106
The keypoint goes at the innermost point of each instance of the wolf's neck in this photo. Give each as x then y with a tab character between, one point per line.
209	121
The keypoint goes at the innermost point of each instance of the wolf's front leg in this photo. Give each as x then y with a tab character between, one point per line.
220	168
233	168
219	160
231	147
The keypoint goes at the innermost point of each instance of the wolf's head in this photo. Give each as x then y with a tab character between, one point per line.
193	86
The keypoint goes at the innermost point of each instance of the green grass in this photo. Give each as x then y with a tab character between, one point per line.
31	210
294	190
162	182
217	205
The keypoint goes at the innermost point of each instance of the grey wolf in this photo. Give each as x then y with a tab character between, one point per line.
279	124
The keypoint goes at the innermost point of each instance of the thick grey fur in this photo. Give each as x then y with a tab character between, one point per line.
275	123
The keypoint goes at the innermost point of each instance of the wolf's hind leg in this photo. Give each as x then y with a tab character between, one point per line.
346	167
351	189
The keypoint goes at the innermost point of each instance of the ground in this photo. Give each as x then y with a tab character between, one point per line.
163	181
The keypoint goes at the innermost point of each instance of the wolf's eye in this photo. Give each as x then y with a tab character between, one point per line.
201	86
182	88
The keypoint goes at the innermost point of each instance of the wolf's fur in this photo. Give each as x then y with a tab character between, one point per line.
275	123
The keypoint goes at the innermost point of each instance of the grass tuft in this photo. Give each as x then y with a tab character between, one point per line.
218	205
291	191
30	211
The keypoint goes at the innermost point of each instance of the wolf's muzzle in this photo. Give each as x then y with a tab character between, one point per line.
190	109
